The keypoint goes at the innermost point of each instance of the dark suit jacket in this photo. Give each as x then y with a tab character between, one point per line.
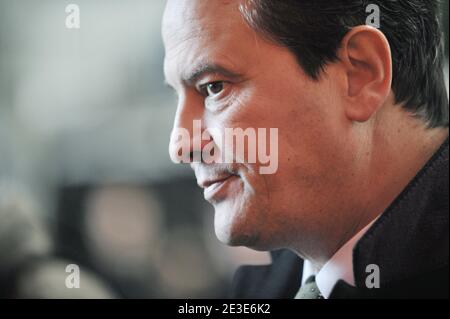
409	243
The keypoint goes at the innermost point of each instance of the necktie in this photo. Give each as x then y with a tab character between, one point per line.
309	290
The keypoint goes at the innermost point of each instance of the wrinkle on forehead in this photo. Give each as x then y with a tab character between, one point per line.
192	28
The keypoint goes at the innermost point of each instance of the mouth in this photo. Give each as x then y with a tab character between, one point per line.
215	189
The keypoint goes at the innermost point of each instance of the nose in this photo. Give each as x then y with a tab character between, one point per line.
186	143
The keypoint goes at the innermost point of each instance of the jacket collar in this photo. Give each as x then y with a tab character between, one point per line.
411	236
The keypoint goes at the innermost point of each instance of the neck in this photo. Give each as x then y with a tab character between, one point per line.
401	146
392	154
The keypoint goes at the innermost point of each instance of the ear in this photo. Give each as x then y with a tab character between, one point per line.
365	55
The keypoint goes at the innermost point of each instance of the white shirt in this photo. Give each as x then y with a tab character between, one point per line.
340	266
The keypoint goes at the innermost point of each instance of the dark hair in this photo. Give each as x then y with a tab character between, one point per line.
313	30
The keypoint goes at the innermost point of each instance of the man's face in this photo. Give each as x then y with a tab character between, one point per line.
257	84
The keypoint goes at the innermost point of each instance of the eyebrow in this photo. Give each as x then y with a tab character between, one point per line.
206	69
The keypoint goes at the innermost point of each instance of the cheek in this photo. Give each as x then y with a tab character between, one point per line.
311	139
254	206
249	123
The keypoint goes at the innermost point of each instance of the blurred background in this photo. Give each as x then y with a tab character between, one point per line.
85	176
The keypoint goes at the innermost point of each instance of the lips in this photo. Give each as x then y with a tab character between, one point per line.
216	180
206	183
219	190
215	188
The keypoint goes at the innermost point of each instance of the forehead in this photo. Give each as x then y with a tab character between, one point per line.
199	31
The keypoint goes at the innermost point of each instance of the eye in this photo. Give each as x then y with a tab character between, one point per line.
211	89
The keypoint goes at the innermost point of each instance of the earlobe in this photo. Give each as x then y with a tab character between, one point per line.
366	57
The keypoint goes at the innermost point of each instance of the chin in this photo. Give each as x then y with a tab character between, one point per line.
236	228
